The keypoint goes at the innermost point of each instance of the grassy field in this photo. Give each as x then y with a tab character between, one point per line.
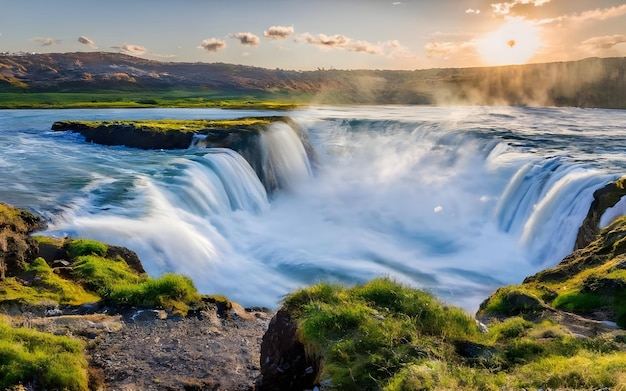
135	99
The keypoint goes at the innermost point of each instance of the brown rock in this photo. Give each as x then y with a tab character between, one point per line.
603	199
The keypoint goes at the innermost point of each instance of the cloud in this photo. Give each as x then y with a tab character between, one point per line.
212	45
472	11
507	8
606	42
86	41
132	49
338	41
46	41
596	15
278	32
600	14
247	39
448	49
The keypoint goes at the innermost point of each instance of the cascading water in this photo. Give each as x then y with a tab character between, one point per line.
455	200
287	157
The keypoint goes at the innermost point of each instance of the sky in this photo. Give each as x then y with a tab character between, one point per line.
322	34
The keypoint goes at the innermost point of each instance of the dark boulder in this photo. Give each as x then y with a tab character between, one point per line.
284	362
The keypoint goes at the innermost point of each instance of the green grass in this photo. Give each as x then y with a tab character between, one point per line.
383	335
52	362
137	99
79	247
163	125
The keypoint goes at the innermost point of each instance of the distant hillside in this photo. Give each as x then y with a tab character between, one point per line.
592	82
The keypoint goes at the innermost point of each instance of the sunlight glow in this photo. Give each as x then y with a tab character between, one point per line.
515	42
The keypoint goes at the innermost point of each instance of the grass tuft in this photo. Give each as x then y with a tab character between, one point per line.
52	362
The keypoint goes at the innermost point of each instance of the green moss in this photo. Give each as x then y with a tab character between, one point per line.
53	362
513	300
46	287
79	247
170	291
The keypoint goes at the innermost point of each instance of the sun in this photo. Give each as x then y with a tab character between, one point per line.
515	42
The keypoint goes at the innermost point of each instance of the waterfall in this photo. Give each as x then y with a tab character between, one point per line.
287	157
454	200
545	203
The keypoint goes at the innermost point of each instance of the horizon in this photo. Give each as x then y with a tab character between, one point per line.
306	36
299	70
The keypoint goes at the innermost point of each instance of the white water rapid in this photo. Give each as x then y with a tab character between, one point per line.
458	201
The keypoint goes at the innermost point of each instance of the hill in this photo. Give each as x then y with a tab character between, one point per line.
593	82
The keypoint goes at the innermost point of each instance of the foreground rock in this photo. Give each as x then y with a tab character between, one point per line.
140	333
155	350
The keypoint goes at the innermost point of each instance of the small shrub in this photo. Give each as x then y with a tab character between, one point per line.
82	247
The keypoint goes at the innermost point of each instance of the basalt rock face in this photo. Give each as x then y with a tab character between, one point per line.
603	198
284	363
128	135
16	246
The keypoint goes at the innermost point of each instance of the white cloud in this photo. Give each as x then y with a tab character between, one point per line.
133	49
212	44
606	42
472	11
447	49
595	15
338	41
505	8
86	41
278	32
247	39
600	14
44	41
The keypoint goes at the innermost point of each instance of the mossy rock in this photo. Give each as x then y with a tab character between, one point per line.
16	246
511	301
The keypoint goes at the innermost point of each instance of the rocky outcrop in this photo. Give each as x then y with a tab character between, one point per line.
284	362
589	282
603	198
127	135
243	135
16	246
